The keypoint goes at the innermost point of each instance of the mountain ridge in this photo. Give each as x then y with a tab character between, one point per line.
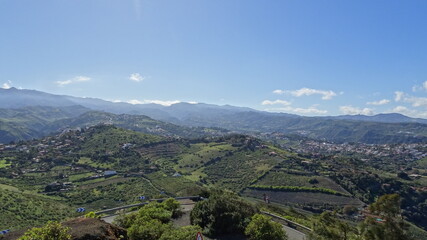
383	128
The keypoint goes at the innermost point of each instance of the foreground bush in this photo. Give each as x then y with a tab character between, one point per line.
152	222
223	212
262	228
51	231
184	233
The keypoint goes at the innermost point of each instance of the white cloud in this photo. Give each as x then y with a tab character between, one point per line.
160	102
7	85
380	102
417	88
278	91
398	96
403	110
81	79
134	101
326	95
146	101
409	112
350	110
282	102
136	77
310	110
73	80
416	101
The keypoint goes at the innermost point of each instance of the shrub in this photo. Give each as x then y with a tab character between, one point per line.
51	231
91	215
349	210
313	181
223	212
149	229
262	228
184	233
172	205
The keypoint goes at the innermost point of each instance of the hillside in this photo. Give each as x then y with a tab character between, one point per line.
72	167
20	209
35	122
378	129
318	128
106	166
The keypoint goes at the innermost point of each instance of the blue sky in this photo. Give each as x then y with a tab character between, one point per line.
319	57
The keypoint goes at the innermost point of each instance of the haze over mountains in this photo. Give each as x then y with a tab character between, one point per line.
27	114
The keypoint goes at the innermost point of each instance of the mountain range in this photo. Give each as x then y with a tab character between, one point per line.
26	114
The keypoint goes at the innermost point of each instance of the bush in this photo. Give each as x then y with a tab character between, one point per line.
172	205
152	222
184	233
149	229
349	210
51	231
313	181
262	228
223	212
91	215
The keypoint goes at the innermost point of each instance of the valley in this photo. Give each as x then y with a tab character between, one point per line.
105	166
98	155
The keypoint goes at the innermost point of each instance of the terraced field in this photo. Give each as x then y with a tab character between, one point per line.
284	178
302	199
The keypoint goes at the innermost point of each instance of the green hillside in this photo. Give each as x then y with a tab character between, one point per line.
72	169
35	122
21	209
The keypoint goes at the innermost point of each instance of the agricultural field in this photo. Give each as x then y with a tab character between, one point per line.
239	169
283	178
305	199
173	186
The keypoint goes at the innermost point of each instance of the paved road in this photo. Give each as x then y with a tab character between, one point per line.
109	219
294	234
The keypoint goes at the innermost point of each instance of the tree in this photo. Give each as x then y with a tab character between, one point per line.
349	210
223	212
183	233
148	229
391	226
172	205
51	231
327	226
262	228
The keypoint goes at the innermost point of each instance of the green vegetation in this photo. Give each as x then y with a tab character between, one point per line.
66	171
4	163
223	212
20	210
387	223
296	189
262	228
35	122
284	177
51	231
152	222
